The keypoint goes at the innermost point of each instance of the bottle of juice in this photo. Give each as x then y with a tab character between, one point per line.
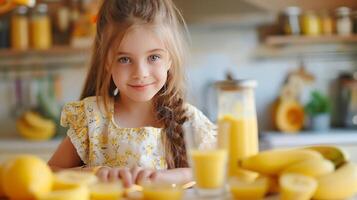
40	28
236	112
19	29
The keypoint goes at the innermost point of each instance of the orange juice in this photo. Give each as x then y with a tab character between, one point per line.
242	139
164	193
40	28
209	167
19	29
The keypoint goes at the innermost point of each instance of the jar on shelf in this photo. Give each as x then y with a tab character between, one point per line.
4	32
40	28
354	19
310	23
327	23
291	20
19	29
343	21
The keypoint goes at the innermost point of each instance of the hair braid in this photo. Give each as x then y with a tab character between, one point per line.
172	113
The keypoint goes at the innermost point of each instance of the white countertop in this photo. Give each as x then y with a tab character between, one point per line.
332	137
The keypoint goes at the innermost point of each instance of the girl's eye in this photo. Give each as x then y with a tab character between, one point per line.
124	60
154	58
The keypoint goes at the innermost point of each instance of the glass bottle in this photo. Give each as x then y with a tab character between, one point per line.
326	23
343	21
19	29
291	20
40	28
237	118
354	17
310	23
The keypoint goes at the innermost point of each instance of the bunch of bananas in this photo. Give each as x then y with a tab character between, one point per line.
318	172
33	126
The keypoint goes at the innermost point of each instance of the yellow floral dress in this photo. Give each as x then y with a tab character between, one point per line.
100	141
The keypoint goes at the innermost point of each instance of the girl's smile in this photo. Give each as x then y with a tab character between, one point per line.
141	87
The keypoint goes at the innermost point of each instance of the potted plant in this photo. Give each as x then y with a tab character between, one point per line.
318	110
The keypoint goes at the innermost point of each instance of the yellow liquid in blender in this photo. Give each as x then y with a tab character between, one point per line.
242	140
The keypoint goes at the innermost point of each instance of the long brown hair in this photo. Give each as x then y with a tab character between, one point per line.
115	17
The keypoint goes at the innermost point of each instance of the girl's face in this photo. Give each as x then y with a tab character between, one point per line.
140	65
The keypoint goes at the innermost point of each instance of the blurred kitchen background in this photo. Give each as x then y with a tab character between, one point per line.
302	53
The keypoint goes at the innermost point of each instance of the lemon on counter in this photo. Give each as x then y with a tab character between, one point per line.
71	193
297	186
70	178
106	191
26	177
252	189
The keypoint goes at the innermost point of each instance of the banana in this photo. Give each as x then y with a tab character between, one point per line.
335	154
256	189
32	126
272	162
37	121
296	187
312	167
74	193
341	184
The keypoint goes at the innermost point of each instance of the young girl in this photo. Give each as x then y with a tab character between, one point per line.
128	124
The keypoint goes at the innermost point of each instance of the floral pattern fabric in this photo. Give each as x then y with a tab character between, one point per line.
100	141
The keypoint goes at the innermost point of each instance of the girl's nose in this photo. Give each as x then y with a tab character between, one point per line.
141	70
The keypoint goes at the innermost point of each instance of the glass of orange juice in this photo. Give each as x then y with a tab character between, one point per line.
208	161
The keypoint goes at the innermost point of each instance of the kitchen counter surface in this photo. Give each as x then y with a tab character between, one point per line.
10	145
332	137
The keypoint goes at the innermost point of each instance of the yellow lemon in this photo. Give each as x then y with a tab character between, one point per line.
26	177
106	191
71	193
243	189
297	186
164	192
70	178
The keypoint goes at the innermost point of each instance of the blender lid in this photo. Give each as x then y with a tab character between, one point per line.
236	84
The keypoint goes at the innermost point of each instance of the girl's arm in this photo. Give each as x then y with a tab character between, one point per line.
65	157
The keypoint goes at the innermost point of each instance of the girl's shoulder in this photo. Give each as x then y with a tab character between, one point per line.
198	119
79	113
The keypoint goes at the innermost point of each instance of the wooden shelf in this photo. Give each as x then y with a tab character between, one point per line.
297	40
332	47
54	58
279	5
